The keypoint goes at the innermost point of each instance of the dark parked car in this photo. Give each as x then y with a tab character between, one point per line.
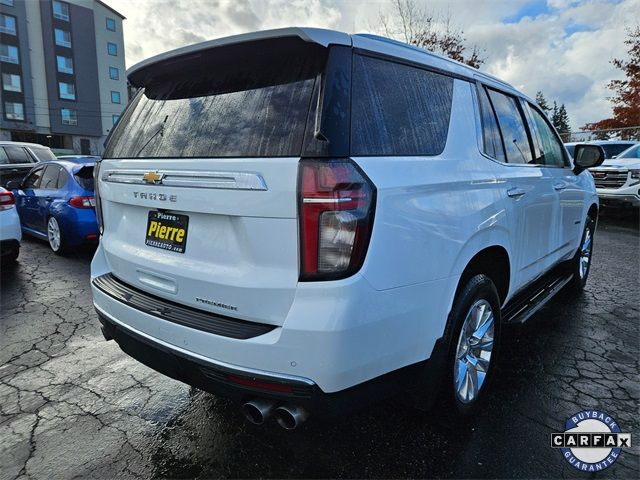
55	202
17	158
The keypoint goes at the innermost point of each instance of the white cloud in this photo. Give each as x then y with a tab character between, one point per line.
536	53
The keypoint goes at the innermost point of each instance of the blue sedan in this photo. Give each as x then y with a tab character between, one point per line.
55	202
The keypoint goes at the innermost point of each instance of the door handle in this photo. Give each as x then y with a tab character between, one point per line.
559	186
48	198
515	192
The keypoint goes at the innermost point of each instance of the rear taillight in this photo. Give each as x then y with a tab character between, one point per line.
82	202
6	200
96	192
336	202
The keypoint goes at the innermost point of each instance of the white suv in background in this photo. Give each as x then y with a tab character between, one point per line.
305	220
618	179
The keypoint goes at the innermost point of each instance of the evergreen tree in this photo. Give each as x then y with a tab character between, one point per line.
542	102
563	124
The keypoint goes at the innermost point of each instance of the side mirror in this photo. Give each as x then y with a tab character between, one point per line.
14	185
587	156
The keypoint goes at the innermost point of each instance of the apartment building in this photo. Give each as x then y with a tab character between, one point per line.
63	72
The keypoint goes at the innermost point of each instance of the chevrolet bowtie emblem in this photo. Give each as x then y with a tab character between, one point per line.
153	177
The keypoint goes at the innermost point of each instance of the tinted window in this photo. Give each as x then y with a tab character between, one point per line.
613	149
17	155
398	110
50	178
237	114
512	126
63	177
633	152
43	154
85	178
549	149
33	180
491	133
4	159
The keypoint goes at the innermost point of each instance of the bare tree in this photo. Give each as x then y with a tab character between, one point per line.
413	24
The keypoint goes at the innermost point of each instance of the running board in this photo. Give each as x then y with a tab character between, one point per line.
533	298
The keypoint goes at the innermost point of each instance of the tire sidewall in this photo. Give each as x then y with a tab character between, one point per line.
476	288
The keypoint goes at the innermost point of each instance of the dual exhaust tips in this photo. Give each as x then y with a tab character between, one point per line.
288	417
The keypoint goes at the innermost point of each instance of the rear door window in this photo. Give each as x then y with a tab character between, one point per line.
33	179
512	127
50	177
17	154
398	109
232	113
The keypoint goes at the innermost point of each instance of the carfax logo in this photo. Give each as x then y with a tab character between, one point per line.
592	440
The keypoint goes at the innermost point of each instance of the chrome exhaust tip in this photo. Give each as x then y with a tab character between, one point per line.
290	417
257	411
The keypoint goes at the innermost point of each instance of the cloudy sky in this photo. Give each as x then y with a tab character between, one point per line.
562	47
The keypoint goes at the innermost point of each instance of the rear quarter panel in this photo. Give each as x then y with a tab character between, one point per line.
433	214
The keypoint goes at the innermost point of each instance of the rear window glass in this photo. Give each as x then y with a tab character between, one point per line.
17	154
85	178
398	109
258	113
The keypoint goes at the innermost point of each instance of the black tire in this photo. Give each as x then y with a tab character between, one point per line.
11	257
580	276
62	248
478	291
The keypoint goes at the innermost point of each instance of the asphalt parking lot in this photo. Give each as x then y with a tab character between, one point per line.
73	405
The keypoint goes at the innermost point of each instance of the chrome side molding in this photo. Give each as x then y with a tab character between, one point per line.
190	179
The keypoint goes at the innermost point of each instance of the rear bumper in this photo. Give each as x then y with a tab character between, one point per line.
336	334
236	382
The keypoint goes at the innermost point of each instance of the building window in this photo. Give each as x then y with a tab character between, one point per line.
67	91
65	64
61	10
13	111
111	24
114	74
63	38
9	53
69	117
115	118
8	24
11	82
112	49
8	3
115	97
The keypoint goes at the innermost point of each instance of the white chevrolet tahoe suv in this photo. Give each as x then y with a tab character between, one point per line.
302	220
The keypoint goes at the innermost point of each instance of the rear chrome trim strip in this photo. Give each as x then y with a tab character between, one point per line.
326	200
190	179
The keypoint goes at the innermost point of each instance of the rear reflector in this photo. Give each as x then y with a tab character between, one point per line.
260	385
82	202
337	204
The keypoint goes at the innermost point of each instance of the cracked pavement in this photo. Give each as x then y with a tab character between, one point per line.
74	405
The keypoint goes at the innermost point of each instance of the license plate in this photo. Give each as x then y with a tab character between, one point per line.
167	231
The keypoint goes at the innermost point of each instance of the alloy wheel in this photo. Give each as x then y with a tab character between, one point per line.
473	352
53	233
585	254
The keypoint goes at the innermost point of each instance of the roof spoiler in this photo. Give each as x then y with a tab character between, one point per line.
167	63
